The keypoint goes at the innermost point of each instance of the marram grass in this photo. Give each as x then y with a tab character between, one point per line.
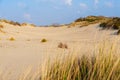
105	65
95	68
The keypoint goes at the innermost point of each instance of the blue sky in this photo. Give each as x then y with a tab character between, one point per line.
44	12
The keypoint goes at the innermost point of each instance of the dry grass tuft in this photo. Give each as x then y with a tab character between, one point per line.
24	24
61	45
28	39
1	26
2	31
44	40
12	39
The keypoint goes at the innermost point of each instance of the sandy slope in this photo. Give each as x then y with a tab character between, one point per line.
27	49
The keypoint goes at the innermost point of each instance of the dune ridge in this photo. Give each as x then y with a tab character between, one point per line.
23	45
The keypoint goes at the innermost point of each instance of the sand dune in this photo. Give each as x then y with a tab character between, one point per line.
27	49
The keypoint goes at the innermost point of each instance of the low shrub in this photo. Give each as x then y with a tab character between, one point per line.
12	39
24	24
43	40
14	23
61	45
1	26
28	39
118	32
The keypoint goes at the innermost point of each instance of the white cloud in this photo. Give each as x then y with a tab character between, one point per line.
83	5
27	16
68	2
22	5
109	4
96	2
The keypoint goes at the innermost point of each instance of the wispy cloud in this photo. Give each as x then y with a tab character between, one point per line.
109	4
68	2
96	2
22	5
27	16
83	5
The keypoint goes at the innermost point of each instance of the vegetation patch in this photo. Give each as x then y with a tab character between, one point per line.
44	40
113	23
101	67
87	21
1	26
16	23
12	39
62	45
118	32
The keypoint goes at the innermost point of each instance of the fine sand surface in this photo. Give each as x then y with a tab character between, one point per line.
28	50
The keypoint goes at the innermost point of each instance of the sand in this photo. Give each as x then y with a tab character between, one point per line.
28	50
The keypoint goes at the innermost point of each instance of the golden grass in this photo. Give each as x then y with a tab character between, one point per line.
105	65
101	67
1	31
1	26
12	39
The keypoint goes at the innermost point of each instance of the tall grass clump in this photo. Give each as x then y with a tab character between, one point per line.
104	66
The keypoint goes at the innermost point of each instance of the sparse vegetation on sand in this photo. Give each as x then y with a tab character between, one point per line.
113	23
1	26
88	20
101	63
10	22
1	31
28	39
44	40
118	33
62	45
16	23
12	39
104	66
